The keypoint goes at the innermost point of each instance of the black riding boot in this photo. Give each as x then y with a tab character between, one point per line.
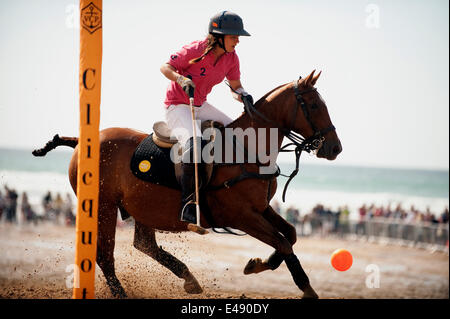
187	181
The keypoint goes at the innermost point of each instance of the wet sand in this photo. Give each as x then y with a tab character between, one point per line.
35	263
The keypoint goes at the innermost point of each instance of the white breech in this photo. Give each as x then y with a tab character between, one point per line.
179	119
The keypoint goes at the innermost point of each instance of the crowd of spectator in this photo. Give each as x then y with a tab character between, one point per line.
8	204
371	220
53	208
411	215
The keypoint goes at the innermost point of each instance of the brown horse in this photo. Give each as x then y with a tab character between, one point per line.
292	108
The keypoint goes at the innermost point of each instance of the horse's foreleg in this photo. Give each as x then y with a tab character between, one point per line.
256	265
145	241
107	217
257	226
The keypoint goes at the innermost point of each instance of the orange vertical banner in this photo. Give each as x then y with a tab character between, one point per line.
88	148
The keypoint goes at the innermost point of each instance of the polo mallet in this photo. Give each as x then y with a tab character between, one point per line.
195	227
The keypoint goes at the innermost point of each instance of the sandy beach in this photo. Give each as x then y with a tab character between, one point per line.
35	262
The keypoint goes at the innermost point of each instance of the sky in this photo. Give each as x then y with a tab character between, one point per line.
385	69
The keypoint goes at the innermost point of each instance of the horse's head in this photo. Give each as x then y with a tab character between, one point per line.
307	114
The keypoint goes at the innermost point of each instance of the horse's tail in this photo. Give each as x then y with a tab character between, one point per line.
57	141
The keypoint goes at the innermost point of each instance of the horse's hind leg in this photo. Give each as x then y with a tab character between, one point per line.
145	241
256	265
107	217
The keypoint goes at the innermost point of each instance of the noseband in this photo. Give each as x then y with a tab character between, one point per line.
314	142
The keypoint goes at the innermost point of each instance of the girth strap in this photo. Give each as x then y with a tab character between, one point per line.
244	175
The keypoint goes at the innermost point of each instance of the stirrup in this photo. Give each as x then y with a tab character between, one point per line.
192	226
197	229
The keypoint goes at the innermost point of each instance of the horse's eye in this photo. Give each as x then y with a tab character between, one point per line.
314	106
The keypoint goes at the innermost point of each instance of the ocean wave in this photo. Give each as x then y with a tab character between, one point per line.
36	184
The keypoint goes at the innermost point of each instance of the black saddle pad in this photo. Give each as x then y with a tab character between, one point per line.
152	163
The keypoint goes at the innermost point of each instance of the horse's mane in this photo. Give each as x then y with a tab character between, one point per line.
260	101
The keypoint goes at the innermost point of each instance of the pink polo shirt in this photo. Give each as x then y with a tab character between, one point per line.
204	73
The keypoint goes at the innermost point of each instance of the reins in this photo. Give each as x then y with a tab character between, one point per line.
312	143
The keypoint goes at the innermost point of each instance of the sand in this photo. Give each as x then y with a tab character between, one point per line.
35	262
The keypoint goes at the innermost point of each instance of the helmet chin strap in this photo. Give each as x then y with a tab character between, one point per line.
222	44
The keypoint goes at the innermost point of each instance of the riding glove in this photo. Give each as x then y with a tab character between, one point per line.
186	83
247	99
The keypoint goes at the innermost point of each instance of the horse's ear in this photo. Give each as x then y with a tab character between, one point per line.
314	80
309	78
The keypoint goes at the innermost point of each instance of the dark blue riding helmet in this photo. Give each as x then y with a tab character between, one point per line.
227	22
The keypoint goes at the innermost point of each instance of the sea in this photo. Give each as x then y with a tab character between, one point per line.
330	185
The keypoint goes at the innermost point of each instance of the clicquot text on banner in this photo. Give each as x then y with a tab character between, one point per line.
88	148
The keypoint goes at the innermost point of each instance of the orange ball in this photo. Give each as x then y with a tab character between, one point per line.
341	259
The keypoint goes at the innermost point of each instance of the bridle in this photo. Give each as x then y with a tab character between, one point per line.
314	142
309	144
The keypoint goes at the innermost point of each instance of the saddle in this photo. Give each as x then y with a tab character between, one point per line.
152	163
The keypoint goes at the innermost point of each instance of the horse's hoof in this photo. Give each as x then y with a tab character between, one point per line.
253	266
309	293
119	293
191	286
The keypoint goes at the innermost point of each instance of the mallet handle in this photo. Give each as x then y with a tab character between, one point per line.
194	128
